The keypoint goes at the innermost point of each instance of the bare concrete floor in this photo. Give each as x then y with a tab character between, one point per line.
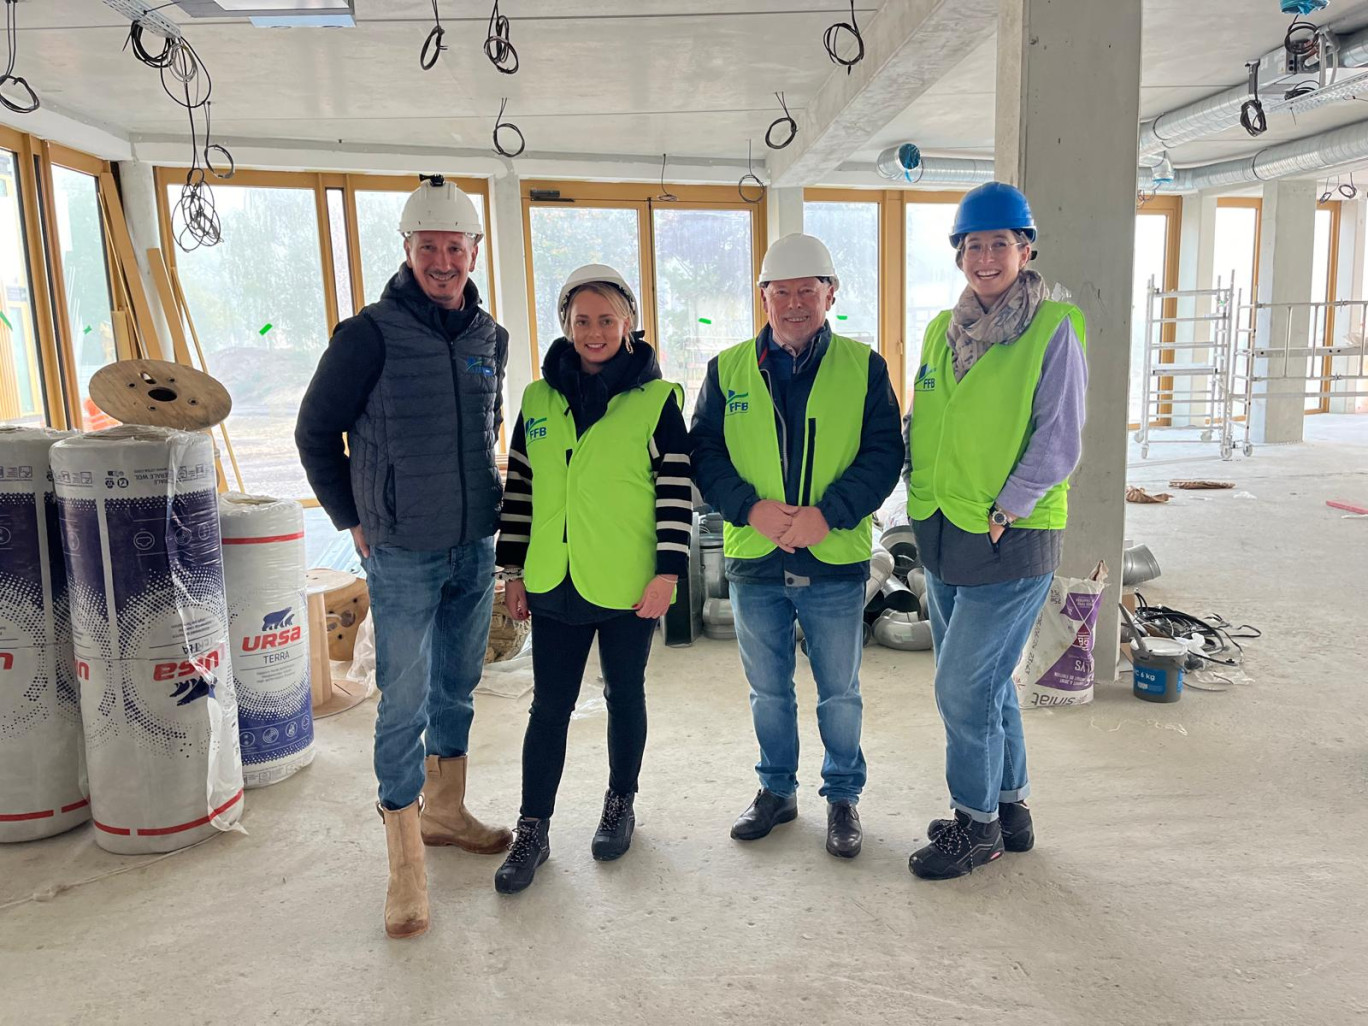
1197	863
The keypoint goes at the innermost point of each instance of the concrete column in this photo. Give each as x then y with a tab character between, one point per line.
784	213
1286	249
1068	102
138	191
510	283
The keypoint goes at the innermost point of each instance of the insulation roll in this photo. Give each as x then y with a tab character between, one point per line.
42	755
140	531
263	569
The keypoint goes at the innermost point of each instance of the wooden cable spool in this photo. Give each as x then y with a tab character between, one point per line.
160	394
332	597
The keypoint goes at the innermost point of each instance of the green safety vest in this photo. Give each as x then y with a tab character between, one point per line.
593	495
968	435
835	417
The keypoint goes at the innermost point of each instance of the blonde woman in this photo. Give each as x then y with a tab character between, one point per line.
594	534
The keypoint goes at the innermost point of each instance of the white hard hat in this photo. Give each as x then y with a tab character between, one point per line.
594	273
438	206
797	256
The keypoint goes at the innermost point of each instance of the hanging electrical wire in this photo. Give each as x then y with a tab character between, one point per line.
1348	191
433	45
500	125
750	179
9	77
1252	116
832	37
1301	43
784	122
186	79
1324	197
666	196
498	46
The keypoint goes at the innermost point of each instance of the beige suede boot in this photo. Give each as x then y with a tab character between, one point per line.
406	900
445	817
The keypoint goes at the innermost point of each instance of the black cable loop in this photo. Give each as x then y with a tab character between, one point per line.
433	45
1304	45
833	35
1252	117
9	77
665	195
500	125
748	178
787	119
498	47
210	147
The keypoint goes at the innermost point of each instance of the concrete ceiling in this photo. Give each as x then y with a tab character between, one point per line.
694	78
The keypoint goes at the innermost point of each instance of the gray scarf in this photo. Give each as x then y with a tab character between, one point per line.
973	330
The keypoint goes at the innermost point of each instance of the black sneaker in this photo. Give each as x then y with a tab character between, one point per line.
531	848
615	827
764	814
843	830
1017	832
958	849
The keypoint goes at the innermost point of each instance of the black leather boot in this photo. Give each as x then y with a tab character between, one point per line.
530	849
1018	833
959	848
615	827
764	814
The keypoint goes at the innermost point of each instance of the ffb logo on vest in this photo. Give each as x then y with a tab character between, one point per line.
737	402
926	379
534	428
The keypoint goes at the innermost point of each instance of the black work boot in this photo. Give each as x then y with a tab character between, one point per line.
615	827
531	848
843	830
1017	832
764	814
958	849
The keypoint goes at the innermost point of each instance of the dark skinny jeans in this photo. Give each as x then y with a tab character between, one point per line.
559	653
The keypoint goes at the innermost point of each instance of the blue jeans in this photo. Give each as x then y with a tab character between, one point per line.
831	613
978	633
431	613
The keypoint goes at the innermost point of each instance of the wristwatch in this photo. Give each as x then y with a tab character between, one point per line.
999	517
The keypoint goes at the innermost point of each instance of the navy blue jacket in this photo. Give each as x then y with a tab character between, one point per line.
861	490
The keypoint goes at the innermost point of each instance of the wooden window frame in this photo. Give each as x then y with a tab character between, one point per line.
643	199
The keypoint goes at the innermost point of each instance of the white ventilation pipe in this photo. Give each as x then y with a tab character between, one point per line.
1300	157
1220	111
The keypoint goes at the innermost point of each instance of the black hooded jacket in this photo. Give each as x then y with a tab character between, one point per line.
588	396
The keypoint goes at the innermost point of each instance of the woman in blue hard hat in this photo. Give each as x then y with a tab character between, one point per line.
994	433
595	531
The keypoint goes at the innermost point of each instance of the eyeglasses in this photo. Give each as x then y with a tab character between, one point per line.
997	248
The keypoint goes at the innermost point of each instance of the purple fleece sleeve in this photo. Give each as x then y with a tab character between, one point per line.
1057	414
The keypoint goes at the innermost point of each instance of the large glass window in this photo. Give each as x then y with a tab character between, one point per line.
564	238
257	301
1151	249
933	281
21	383
851	232
1322	289
382	247
704	295
85	272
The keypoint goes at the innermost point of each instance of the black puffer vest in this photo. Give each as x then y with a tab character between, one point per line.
422	452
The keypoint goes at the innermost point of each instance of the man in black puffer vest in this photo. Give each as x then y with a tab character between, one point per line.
415	383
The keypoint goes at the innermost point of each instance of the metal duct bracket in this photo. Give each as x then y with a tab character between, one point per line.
146	16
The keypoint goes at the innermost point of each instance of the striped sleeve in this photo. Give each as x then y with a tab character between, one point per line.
515	522
674	490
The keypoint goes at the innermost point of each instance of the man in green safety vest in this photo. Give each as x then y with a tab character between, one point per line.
797	441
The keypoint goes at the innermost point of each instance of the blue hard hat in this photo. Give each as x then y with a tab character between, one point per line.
992	207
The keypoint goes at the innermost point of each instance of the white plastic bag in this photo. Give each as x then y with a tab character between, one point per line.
1056	667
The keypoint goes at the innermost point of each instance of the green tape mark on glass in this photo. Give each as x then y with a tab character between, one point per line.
704	320
841	317
6	320
87	330
265	328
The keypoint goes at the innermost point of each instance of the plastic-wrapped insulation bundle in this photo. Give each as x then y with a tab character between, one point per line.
263	569
42	753
140	531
